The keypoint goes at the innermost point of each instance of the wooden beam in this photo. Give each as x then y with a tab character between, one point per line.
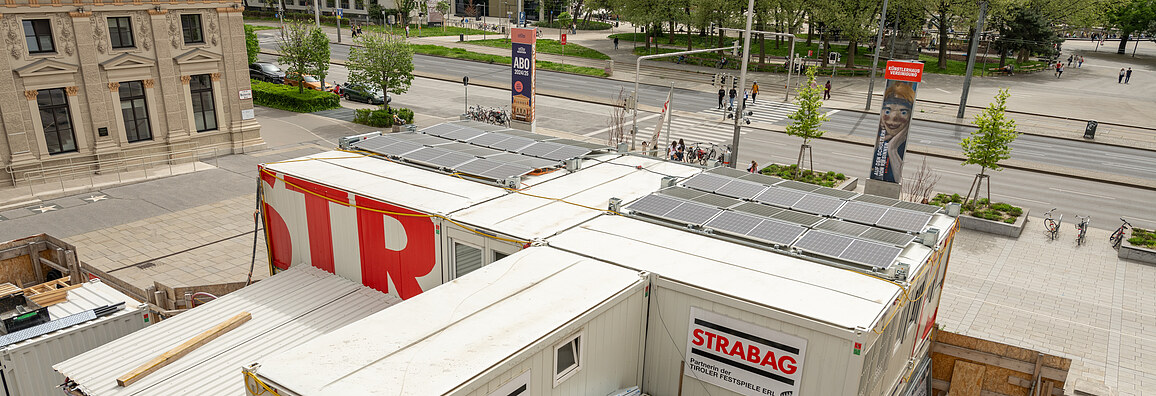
33	256
53	265
999	361
46	298
1026	383
181	350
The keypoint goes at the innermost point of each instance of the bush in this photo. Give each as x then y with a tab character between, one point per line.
285	97
1143	238
382	118
787	172
998	211
591	25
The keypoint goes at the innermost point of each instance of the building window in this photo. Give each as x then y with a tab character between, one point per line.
191	27
135	111
38	35
204	111
120	32
467	259
57	120
567	358
330	3
345	4
359	4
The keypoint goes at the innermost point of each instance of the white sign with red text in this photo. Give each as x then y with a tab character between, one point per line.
742	357
904	71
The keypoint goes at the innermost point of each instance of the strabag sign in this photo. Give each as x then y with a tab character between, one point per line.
743	357
904	71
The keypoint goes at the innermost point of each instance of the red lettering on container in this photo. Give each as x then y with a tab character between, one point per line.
698	337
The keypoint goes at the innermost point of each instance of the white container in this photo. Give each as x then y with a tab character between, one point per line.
27	365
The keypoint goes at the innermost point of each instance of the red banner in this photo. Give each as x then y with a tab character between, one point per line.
904	71
563	38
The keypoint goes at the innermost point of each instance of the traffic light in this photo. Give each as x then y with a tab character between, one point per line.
734	83
714	80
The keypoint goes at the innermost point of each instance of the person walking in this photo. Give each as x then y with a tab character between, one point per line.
1057	69
616	43
1060	70
406	31
754	92
746	95
827	91
722	93
1070	57
1128	75
1121	78
1080	63
754	167
733	93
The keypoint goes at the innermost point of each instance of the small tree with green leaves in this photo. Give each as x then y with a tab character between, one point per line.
300	52
251	46
443	8
381	60
808	119
990	143
319	43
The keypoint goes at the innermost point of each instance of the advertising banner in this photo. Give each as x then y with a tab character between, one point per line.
524	54
742	357
895	120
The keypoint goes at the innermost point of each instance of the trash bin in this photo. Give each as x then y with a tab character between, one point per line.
1090	130
461	37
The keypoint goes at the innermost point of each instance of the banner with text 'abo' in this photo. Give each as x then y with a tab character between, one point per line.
524	59
743	357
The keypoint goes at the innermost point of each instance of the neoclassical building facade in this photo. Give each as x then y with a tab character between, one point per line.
87	81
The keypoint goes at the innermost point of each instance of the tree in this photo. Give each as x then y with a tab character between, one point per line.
1135	16
300	53
319	45
375	10
443	8
806	121
251	46
990	143
381	60
1026	32
405	8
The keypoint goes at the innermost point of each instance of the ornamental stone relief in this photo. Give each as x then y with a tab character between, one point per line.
174	31
13	36
144	26
99	31
214	33
64	22
30	94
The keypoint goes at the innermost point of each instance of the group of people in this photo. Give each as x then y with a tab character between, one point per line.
1071	58
1124	76
355	30
751	94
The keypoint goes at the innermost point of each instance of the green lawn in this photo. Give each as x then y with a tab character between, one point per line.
398	29
548	47
592	25
959	68
459	53
262	27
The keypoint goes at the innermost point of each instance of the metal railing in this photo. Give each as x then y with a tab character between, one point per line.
149	162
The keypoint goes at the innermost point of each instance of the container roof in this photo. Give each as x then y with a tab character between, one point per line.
92	294
404	185
493	313
288	309
842	298
538	213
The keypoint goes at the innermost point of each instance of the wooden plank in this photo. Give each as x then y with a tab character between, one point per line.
8	288
34	252
181	350
999	361
51	297
49	263
966	379
1026	383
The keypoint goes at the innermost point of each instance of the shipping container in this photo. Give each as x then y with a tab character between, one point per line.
540	322
74	329
287	310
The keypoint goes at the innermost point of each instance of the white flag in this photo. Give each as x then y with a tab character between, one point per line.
661	120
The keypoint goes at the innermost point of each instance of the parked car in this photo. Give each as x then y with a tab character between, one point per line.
309	82
361	93
267	72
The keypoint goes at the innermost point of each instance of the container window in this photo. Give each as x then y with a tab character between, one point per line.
499	255
567	358
467	259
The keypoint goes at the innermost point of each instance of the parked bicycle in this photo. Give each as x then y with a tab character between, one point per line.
1118	236
489	115
1052	225
1082	228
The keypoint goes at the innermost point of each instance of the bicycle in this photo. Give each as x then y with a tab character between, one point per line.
1052	225
1118	236
1082	228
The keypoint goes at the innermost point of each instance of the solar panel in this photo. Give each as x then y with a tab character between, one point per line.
693	213
451	159
875	199
420	139
373	142
741	189
577	143
567	152
824	243
904	220
798	185
464	134
680	192
655	205
539	149
507	170
425	154
525	134
478	166
760	178
776	232
818	204
861	212
477	151
488	139
887	236
716	200
759	209
706	182
536	163
728	172
734	222
837	193
842	227
871	253
918	207
397	149
780	197
797	217
440	129
512	143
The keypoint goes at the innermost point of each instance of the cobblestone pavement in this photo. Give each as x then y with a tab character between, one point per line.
1080	302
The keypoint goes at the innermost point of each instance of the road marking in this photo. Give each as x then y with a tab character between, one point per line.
943	90
844	154
603	130
1021	199
1081	193
832	112
954	173
1126	166
1126	156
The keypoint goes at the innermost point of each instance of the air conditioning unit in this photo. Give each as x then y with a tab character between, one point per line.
930	238
667	181
615	205
953	209
623	147
573	164
513	182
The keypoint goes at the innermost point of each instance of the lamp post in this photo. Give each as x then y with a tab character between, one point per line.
875	61
638	69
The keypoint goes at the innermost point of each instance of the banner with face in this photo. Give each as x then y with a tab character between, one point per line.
891	138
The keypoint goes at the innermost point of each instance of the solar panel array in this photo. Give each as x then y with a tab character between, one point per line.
843	225
513	140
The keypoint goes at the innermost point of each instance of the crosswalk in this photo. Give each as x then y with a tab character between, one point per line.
709	125
766	111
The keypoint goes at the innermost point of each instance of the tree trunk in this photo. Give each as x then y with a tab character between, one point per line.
942	39
1123	49
826	43
852	49
1002	58
810	29
672	29
689	37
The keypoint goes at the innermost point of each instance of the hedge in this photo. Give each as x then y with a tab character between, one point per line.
286	97
382	118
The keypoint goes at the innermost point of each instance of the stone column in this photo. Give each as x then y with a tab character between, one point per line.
95	89
171	108
244	134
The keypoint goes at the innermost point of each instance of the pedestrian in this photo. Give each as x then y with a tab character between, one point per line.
733	93
1060	70
672	150
827	91
1070	60
1057	67
681	151
754	167
406	31
1080	63
616	43
1128	75
722	93
754	92
1121	78
746	95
